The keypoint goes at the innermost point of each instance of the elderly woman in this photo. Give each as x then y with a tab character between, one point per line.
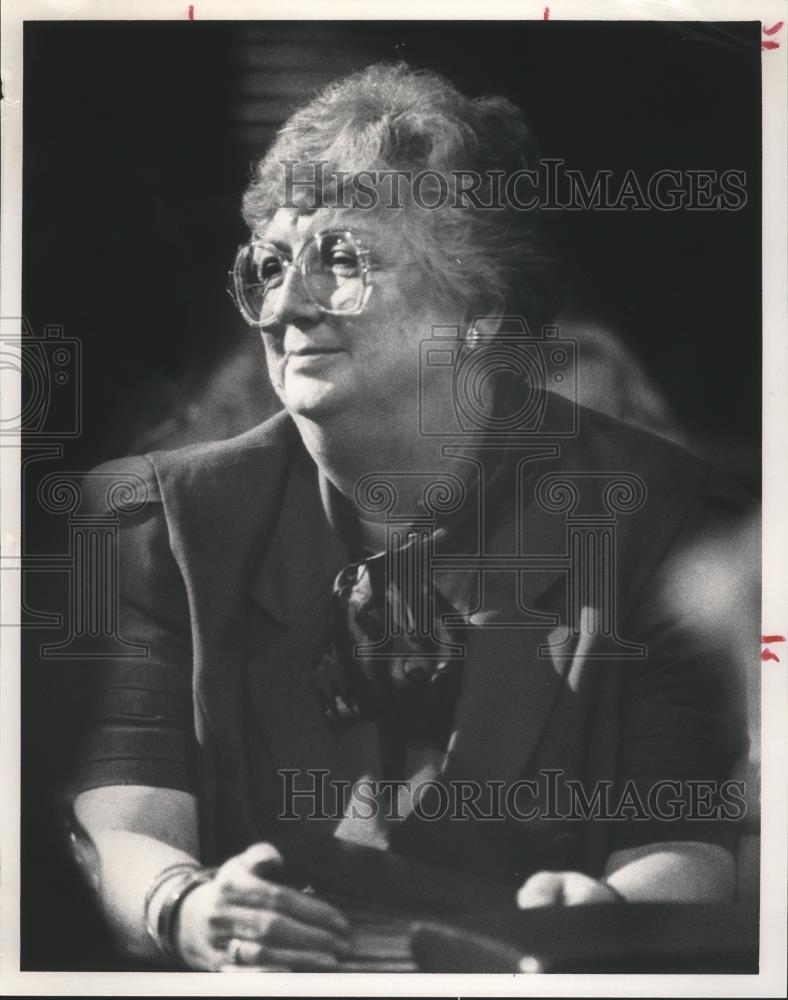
326	600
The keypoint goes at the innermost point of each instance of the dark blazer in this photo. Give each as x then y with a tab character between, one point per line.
226	565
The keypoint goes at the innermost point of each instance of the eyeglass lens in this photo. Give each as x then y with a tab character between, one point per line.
331	268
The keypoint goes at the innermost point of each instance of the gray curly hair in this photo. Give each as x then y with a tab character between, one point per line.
393	118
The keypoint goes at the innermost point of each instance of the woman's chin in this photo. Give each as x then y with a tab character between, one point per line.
312	397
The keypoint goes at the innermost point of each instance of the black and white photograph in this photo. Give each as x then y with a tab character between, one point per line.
392	423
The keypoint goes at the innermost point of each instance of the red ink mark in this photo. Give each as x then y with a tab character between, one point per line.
767	654
546	14
191	11
768	46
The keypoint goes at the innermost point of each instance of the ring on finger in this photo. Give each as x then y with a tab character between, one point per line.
234	951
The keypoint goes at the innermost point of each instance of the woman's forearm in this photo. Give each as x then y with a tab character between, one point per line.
676	871
130	863
672	872
137	832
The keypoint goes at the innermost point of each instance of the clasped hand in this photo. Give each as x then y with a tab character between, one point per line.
243	919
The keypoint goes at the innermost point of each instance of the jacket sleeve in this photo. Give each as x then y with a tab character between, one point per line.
141	728
684	707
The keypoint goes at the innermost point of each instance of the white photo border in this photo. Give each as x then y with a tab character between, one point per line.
772	977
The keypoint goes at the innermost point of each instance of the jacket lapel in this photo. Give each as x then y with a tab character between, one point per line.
510	677
510	680
509	689
294	588
305	554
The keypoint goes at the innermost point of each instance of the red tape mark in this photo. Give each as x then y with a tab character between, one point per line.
770	45
546	14
772	638
191	11
767	654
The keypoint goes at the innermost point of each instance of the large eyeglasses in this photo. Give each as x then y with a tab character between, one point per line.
334	270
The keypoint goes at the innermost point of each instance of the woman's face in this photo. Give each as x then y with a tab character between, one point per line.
322	365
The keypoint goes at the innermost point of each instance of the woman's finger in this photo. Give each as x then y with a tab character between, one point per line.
564	889
310	910
262	859
238	886
581	890
243	955
298	960
542	889
305	961
257	862
273	930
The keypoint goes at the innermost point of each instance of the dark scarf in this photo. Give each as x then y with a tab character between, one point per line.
407	676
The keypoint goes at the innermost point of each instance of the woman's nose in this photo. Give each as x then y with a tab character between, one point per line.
292	301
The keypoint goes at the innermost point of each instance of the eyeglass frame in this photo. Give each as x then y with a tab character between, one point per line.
299	261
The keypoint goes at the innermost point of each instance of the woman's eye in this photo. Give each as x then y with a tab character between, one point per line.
344	261
269	269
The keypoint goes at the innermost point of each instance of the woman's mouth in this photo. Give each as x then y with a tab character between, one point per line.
311	357
310	351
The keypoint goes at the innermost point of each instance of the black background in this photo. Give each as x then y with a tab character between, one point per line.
138	141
